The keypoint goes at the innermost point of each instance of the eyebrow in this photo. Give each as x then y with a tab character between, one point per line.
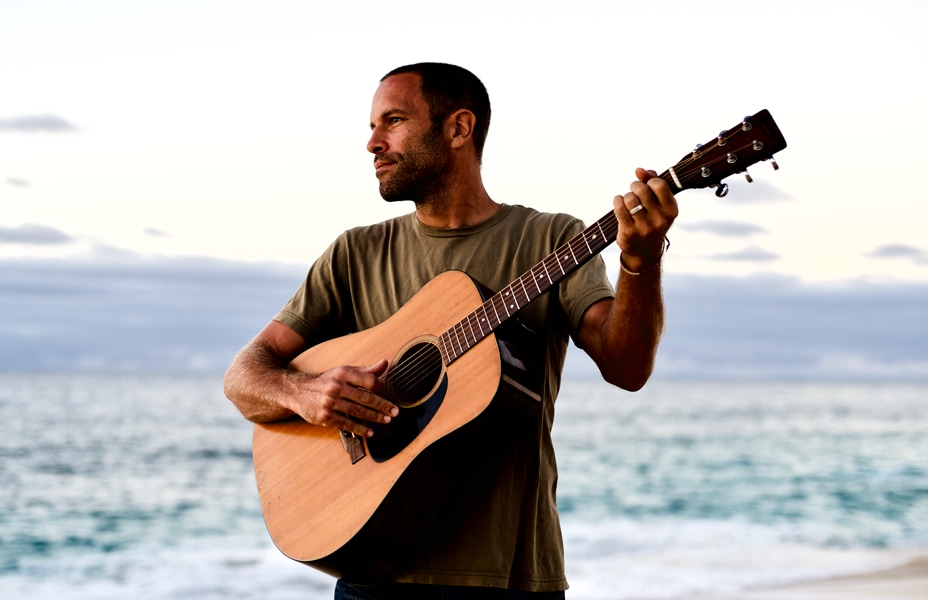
389	113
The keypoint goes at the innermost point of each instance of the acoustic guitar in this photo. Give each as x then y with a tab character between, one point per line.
320	487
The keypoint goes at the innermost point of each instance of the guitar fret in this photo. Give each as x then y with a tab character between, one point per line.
706	169
590	250
505	304
452	351
496	312
457	339
470	323
485	319
444	345
545	263
464	328
465	325
527	296
465	345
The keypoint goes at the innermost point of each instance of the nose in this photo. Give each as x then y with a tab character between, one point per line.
376	144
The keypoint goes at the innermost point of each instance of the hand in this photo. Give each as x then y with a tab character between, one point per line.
641	235
344	397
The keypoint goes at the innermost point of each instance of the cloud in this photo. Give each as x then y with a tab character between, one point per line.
37	123
778	326
34	235
153	232
122	312
723	228
751	254
17	182
913	253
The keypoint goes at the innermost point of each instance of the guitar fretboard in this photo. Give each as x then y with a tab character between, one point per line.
530	285
755	139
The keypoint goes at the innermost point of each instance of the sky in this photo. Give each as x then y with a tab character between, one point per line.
157	154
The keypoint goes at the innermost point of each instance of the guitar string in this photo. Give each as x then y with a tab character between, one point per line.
696	172
417	363
420	364
417	366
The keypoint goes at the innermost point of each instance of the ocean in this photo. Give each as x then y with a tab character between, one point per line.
142	487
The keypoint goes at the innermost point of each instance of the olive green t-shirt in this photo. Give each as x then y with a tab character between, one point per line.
501	529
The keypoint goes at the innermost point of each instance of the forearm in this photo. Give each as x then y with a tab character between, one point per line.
632	329
258	384
623	338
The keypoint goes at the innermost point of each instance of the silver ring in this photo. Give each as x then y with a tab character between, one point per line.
636	210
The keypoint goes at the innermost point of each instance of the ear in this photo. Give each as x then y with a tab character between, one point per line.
459	127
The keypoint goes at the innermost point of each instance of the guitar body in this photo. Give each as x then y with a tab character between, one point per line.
314	498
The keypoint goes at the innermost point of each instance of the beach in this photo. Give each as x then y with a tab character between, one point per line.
907	581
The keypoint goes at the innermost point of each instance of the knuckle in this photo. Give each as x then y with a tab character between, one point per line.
331	389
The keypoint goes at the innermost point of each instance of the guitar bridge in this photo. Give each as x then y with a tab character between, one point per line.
354	446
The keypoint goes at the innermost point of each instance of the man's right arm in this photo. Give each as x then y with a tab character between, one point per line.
259	383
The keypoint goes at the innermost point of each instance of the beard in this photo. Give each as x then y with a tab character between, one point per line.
419	173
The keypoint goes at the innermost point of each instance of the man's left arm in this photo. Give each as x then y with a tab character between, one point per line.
621	335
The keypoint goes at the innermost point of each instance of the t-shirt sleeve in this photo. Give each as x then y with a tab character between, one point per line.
317	309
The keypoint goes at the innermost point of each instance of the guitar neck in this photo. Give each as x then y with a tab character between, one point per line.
753	140
527	287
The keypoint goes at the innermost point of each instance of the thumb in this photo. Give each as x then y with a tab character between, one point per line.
378	368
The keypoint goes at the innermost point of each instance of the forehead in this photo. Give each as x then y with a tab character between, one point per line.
399	93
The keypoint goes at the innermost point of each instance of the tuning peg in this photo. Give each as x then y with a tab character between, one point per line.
773	163
722	139
746	125
748	176
697	151
721	190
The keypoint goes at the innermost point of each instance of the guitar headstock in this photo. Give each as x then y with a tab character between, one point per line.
753	140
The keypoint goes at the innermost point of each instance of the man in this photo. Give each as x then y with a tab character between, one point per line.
499	530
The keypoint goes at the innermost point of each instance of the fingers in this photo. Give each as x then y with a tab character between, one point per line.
644	175
347	398
649	191
645	214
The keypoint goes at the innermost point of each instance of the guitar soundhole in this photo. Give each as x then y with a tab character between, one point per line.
417	384
413	378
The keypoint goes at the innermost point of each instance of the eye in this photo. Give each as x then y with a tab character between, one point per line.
394	120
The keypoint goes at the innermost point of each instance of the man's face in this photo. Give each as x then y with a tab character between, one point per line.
411	158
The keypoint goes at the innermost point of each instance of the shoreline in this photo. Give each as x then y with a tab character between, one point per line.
906	581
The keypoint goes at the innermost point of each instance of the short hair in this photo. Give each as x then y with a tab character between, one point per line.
447	88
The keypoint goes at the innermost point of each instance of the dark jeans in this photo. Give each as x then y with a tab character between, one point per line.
413	591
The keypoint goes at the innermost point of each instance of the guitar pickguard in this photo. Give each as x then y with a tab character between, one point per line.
389	439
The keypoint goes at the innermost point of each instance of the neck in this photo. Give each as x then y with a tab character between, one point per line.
461	203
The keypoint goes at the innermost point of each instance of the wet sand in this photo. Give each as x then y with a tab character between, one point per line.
907	581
